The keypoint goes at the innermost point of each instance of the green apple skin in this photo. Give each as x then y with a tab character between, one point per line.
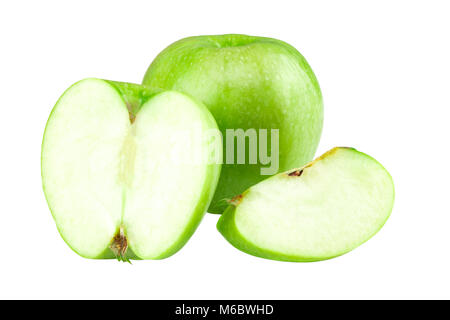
228	228
134	96
247	82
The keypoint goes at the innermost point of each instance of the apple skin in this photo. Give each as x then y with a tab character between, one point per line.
247	82
134	96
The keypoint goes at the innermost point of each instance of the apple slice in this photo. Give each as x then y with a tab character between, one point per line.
320	211
117	177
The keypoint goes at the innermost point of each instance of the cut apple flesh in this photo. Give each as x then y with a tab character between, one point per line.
121	187
317	212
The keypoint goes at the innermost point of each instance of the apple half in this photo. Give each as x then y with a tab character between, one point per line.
320	211
118	181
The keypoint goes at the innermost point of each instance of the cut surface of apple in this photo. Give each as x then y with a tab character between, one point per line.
320	211
117	178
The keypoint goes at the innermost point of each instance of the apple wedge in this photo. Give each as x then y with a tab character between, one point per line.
320	211
117	178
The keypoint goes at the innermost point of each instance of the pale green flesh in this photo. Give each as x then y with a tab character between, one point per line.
101	172
248	83
337	203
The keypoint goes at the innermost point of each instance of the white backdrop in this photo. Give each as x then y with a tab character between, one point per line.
384	70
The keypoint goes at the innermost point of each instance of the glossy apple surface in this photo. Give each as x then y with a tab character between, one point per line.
247	83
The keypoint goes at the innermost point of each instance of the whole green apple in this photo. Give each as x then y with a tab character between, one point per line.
248	83
118	177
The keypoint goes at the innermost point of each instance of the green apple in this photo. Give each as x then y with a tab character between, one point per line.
117	178
319	211
247	83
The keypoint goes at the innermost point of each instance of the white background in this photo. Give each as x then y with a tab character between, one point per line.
384	69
